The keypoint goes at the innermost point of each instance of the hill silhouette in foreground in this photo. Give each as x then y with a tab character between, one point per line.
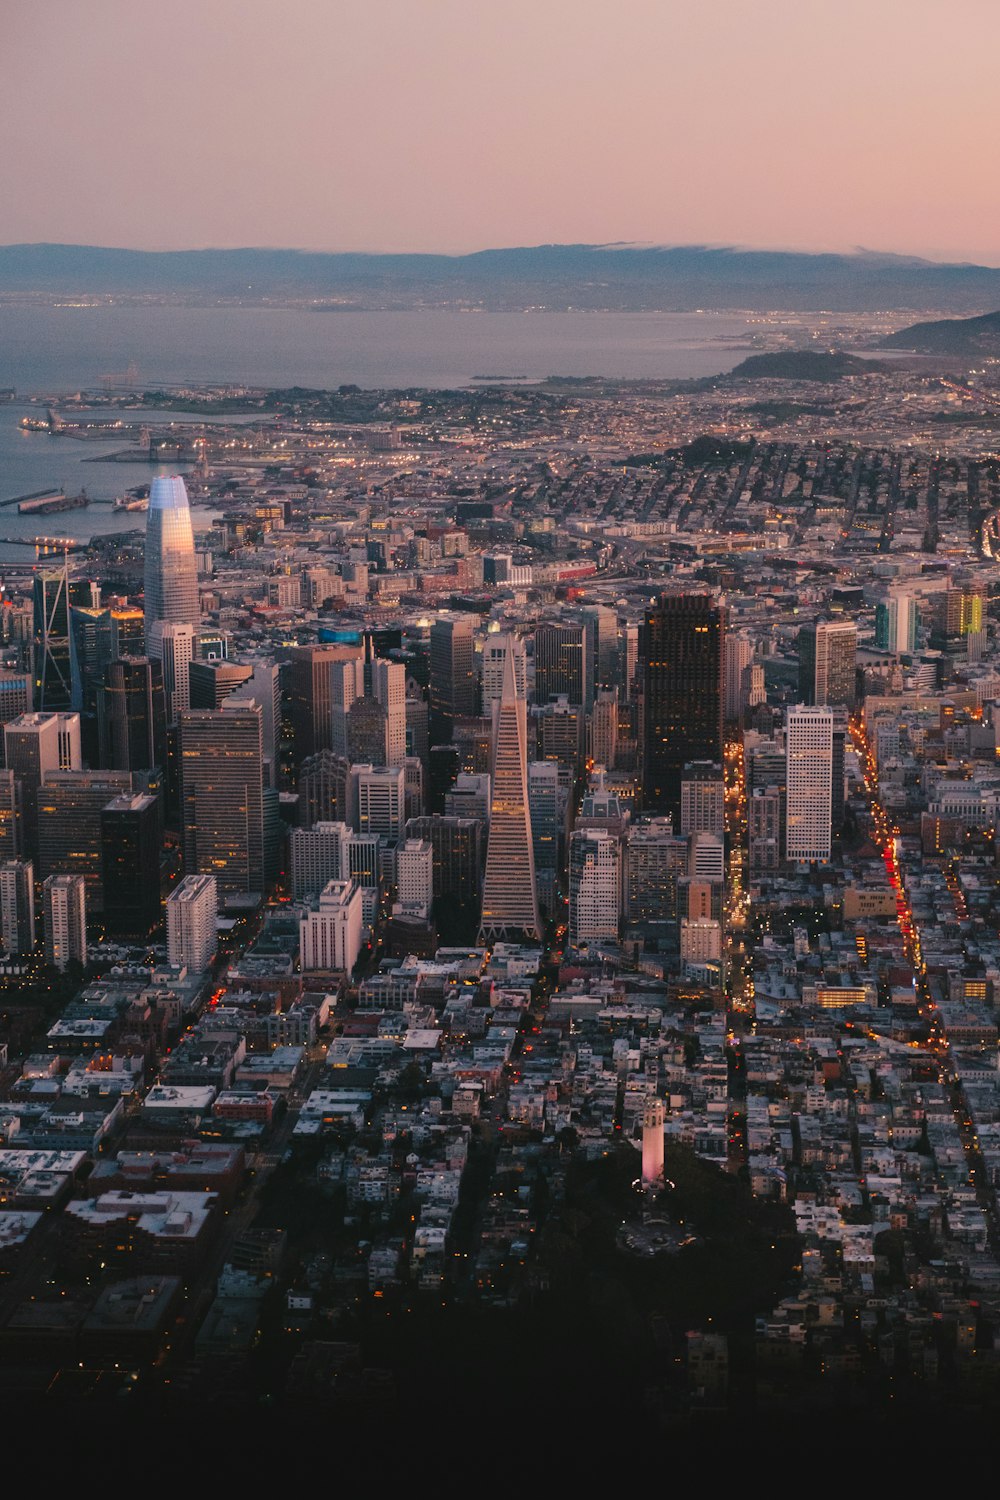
966	337
802	364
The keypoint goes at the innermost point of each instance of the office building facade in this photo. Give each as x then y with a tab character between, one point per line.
682	661
564	664
64	900
133	717
174	644
17	905
70	804
330	933
34	745
130	864
809	783
221	795
594	886
452	690
828	653
192	913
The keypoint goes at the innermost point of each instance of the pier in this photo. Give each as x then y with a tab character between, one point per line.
45	544
49	494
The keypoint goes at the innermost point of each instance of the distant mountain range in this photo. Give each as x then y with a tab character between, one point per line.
619	277
965	337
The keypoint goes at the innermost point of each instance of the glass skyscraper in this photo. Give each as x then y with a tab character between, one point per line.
222	796
682	650
171	581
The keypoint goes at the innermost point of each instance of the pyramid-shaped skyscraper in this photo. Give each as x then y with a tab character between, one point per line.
510	903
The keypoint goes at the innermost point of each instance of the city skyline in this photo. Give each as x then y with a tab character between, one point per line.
498	856
521	891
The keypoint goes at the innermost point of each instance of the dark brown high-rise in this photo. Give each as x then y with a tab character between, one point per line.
308	684
133	715
681	651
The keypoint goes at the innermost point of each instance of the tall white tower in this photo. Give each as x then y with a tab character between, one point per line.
809	783
738	656
17	905
65	909
594	885
192	910
653	1116
171	575
173	645
388	679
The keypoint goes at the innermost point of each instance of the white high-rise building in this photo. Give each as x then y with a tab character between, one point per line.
35	745
738	656
469	797
494	653
318	855
386	684
17	905
39	742
173	645
171	576
701	940
703	799
628	656
65	910
809	783
706	857
896	623
415	877
347	682
380	799
594	885
192	932
739	653
388	680
330	933
754	685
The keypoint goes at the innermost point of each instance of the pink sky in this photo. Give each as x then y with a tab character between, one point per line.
452	125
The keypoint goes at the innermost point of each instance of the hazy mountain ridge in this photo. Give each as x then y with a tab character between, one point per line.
542	276
959	336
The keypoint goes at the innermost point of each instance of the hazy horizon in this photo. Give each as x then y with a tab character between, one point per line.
859	252
443	128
